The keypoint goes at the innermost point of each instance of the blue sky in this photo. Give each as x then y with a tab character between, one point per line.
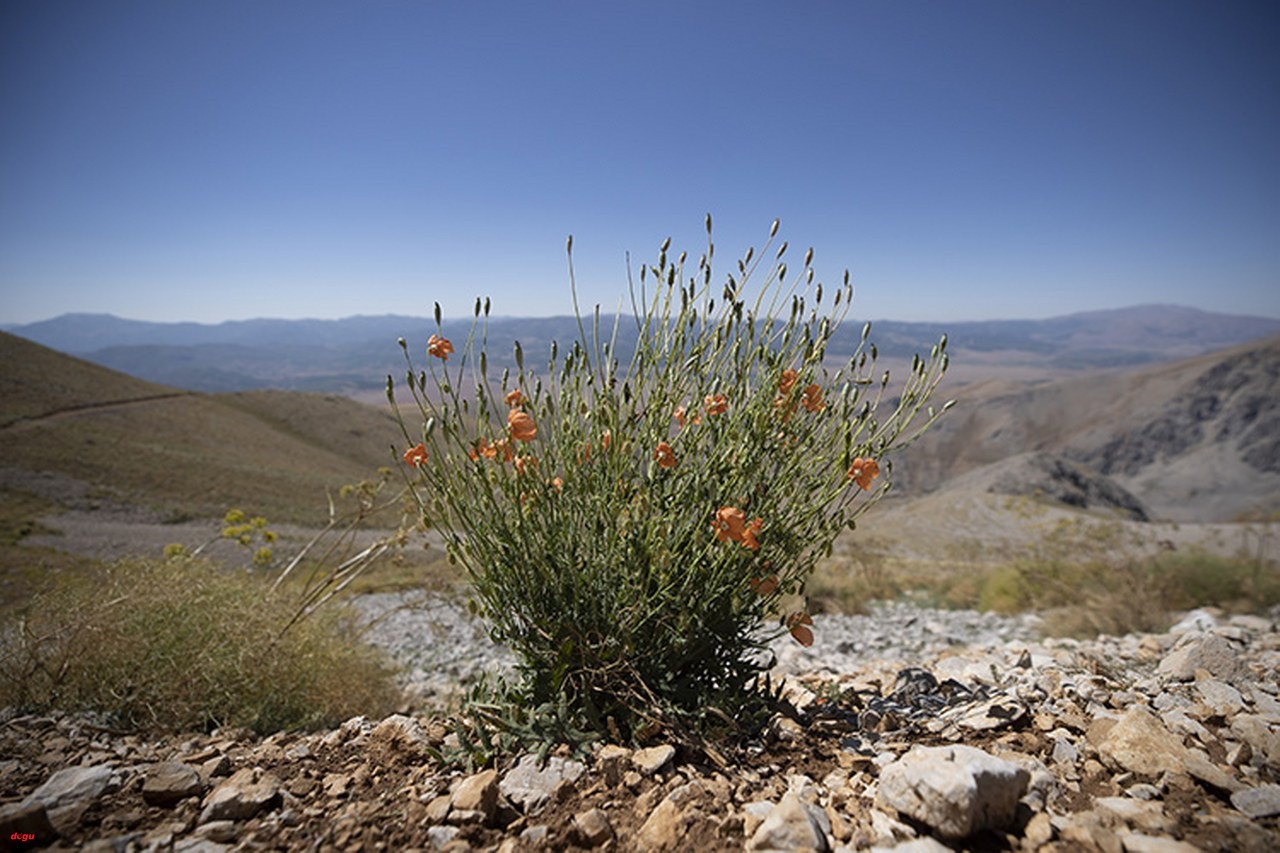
225	160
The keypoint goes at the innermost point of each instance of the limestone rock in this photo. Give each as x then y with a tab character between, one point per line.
651	760
74	785
1260	802
531	787
1197	620
1139	814
665	827
1200	767
956	790
593	826
611	759
1137	842
792	825
479	794
1197	650
170	782
246	793
1140	743
398	737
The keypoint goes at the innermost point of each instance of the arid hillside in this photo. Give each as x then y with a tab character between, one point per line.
181	453
1193	440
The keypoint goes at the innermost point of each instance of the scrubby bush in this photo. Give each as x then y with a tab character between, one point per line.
182	644
630	522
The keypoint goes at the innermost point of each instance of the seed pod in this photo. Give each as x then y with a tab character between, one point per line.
403	345
437	313
568	247
708	224
808	256
486	306
519	356
477	311
773	230
666	244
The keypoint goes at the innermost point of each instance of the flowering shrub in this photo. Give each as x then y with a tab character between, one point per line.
631	528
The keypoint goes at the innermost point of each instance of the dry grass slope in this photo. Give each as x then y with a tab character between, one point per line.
272	453
35	381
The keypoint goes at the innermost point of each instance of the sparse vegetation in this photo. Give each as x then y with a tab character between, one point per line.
185	645
25	570
1085	577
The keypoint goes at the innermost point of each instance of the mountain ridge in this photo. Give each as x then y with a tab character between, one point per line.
354	355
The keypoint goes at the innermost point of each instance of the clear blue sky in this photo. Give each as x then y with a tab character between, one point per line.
226	160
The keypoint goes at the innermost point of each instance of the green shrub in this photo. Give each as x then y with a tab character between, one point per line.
1004	590
630	523
184	645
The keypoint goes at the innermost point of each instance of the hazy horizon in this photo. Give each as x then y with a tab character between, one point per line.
998	160
447	318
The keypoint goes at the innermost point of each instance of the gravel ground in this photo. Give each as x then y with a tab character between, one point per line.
444	649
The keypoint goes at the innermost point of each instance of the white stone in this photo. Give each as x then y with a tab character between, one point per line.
792	825
1197	620
74	785
956	790
1260	802
530	786
651	760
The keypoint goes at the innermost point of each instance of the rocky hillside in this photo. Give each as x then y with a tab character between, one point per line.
1195	440
1159	742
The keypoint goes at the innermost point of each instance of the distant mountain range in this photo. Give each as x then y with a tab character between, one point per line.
354	355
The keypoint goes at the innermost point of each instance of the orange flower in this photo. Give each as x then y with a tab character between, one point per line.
798	624
715	404
416	456
863	471
665	455
813	398
679	414
584	454
765	586
557	483
504	447
787	381
729	524
606	439
750	532
482	447
439	347
522	426
529	462
516	398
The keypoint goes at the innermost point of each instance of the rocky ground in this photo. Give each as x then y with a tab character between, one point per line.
908	729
